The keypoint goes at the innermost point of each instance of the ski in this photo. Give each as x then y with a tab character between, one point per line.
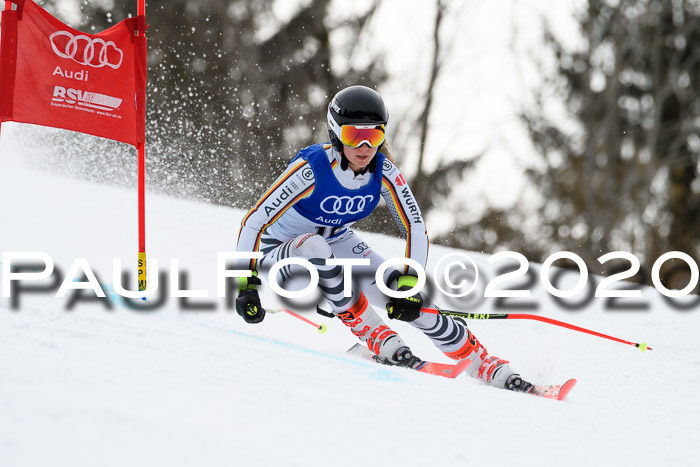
554	391
432	368
547	391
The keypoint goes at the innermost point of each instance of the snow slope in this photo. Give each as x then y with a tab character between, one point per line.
92	386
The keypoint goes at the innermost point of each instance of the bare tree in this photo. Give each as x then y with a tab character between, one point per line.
628	178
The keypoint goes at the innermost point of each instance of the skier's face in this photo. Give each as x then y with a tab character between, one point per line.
359	158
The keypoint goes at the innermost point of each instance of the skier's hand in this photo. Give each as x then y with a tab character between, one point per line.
405	309
248	301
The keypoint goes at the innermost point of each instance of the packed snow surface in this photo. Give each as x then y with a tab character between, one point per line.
174	386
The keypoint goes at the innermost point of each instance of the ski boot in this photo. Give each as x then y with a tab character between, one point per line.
492	370
381	340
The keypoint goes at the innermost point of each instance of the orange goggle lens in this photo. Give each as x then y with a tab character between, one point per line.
355	136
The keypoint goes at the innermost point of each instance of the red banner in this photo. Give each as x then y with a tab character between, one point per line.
54	75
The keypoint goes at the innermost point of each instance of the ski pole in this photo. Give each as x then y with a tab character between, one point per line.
321	328
641	346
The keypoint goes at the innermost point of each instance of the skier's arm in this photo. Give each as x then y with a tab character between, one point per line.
404	208
295	183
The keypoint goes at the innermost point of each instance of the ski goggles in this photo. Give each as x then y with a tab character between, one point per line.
357	135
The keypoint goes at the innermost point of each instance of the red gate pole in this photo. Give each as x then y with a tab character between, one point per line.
8	6
141	11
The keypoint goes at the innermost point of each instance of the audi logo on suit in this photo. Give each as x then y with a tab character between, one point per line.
342	205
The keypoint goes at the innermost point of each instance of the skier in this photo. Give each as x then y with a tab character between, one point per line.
307	213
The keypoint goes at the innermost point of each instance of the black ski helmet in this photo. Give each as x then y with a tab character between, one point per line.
355	105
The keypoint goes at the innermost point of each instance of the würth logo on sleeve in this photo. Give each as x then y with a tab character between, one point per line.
86	51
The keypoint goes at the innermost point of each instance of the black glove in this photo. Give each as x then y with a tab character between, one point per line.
248	301
405	309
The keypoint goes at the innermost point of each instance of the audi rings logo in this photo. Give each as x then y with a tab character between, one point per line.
86	50
360	248
343	205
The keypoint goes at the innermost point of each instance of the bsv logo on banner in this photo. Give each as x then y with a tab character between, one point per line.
86	50
343	205
92	100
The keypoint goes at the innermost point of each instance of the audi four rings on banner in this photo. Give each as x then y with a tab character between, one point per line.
71	48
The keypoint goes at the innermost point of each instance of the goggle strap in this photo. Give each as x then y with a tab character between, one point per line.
335	127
